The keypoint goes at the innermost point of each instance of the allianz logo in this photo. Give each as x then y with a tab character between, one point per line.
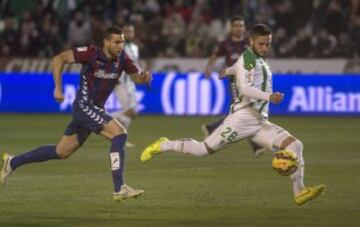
323	99
191	94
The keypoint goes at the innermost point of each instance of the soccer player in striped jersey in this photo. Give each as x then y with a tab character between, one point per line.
248	117
101	69
231	48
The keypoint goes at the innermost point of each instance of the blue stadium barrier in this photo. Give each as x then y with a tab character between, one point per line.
189	94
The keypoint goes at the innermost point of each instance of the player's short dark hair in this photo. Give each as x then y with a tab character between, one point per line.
236	18
260	30
112	30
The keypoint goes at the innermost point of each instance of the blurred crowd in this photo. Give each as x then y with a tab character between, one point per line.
180	28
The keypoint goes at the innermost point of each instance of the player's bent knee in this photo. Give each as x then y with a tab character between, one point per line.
63	155
112	129
287	141
203	154
67	146
297	146
64	151
209	150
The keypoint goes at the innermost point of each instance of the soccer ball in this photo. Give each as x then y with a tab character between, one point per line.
285	162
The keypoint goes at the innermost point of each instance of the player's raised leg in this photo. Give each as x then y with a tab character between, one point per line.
273	137
207	129
117	134
186	146
234	128
302	194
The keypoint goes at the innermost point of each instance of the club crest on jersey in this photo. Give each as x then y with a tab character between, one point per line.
101	74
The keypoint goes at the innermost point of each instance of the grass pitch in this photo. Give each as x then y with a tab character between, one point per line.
230	188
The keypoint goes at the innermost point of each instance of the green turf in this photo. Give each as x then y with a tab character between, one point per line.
230	188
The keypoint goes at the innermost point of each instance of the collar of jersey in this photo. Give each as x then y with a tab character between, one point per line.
105	59
256	55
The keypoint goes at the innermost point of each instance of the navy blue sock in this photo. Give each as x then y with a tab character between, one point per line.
40	154
117	157
211	127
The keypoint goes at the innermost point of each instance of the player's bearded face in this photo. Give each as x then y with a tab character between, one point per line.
261	44
115	44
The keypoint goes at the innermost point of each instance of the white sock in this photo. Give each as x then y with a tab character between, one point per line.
297	177
188	146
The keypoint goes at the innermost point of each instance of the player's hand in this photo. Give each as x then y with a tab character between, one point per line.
276	97
222	74
58	95
146	77
207	73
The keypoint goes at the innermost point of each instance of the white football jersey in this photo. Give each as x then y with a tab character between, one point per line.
252	70
132	50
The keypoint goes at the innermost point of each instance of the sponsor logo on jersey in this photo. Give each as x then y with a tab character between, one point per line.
101	74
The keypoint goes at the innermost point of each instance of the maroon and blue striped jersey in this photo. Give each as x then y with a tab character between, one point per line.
231	50
99	75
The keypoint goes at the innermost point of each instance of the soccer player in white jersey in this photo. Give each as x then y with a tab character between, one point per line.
125	90
248	117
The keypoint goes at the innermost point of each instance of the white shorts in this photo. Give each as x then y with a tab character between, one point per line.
246	123
125	92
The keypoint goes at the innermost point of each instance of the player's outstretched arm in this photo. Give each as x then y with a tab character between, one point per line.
58	63
211	61
228	72
245	78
